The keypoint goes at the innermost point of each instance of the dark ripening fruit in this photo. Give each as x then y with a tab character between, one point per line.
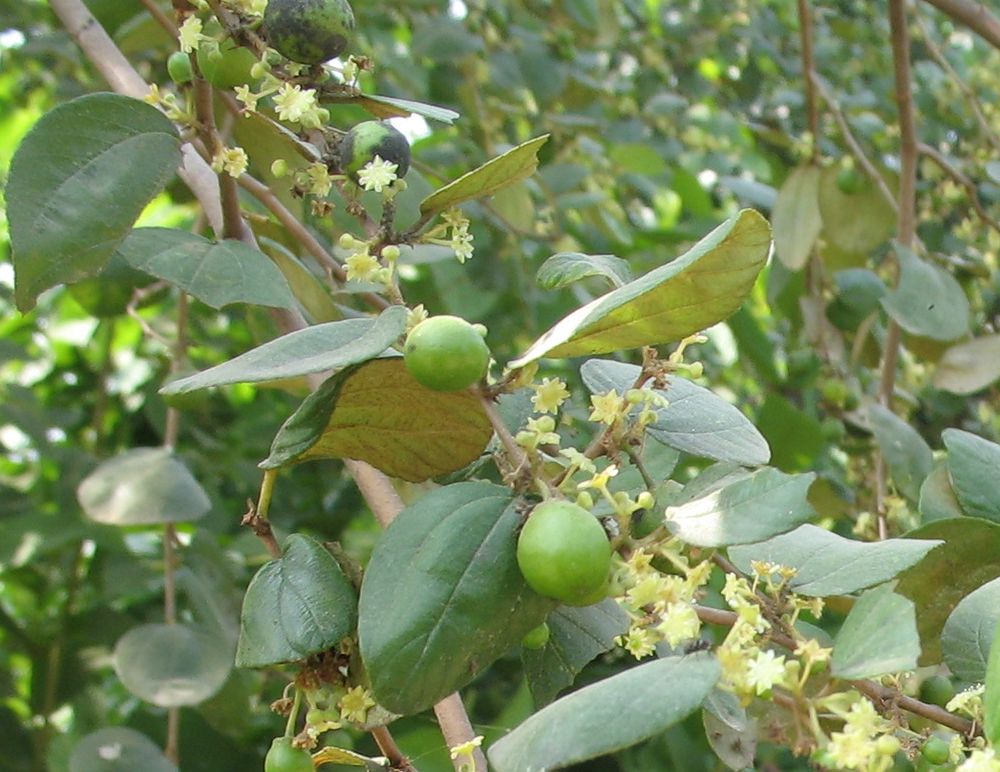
446	353
285	757
564	553
309	31
373	138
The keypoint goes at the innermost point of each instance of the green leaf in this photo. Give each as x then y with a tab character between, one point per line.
305	286
389	107
443	597
609	715
316	349
991	697
217	273
377	412
659	308
827	564
967	635
576	636
970	366
296	605
973	463
729	730
696	421
564	268
858	294
909	458
928	301
743	507
143	486
77	183
172	665
118	749
795	218
937	497
879	636
507	169
854	222
968	559
794	436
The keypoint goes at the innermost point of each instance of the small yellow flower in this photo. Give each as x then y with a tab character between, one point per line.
232	160
461	243
377	174
600	480
639	642
354	705
981	760
361	266
765	671
319	179
463	753
969	702
247	97
679	623
417	314
295	103
549	395
607	407
189	35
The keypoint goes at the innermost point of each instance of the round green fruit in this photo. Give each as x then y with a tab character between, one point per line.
309	31
536	638
179	68
285	757
937	690
228	67
374	138
446	353
564	553
850	180
935	750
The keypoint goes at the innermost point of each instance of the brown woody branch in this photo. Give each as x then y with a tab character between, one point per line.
973	15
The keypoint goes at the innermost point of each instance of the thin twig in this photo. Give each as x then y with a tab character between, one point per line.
161	18
385	742
808	72
937	157
974	16
514	451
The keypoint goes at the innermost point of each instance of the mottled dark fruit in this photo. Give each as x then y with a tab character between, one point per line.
228	67
446	353
285	757
309	31
374	138
179	67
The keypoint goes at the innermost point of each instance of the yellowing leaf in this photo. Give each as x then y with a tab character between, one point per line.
796	219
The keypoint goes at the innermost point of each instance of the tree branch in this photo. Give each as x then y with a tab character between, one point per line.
970	187
808	74
974	16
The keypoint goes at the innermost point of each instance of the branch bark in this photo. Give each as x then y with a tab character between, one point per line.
973	15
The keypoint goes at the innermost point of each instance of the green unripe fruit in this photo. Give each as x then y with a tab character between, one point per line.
536	638
445	353
309	31
179	68
937	690
564	553
228	67
935	750
374	138
849	180
285	757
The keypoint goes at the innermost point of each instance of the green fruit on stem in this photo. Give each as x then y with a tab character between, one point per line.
228	67
935	750
374	138
179	68
446	353
937	690
285	757
309	31
536	638
850	180
564	553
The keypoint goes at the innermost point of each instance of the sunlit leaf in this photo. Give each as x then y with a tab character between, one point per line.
973	463
967	636
564	268
969	367
857	222
796	220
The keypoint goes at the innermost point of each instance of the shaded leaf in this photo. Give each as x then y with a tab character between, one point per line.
691	293
796	220
576	636
376	412
609	715
794	436
937	497
968	634
879	636
854	222
507	169
216	272
970	366
442	595
928	301
172	665
968	559
973	464
696	420
330	346
142	486
118	749
731	733
78	182
392	107
909	458
564	268
743	507
296	605
991	696
828	564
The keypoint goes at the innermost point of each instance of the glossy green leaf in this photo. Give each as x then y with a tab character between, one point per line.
507	169
443	597
907	455
973	464
118	749
329	346
970	366
828	564
928	301
388	107
142	486
879	636
854	222
658	308
576	636
730	732
743	507
296	605
564	268
937	497
968	559
796	219
696	421
609	715
377	412
967	636
78	182
216	272
172	665
991	696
